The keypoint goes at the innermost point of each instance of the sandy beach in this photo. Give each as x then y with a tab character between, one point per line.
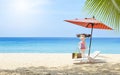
56	64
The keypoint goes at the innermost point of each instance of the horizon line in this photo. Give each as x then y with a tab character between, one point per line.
51	37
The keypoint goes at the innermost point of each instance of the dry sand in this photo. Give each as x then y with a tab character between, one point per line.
56	64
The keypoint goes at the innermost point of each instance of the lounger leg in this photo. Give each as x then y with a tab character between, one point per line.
90	59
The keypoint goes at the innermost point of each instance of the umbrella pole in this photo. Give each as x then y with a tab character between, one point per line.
90	40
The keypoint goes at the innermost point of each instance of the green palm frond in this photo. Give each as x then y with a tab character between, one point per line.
107	11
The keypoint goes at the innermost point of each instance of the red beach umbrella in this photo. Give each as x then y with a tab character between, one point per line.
89	23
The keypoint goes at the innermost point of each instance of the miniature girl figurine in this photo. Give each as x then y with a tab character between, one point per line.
82	44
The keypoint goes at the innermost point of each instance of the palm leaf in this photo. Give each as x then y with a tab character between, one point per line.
107	11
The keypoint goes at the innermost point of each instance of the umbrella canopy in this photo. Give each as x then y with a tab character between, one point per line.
90	23
87	22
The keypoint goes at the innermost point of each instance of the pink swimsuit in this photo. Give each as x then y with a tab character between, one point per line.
83	45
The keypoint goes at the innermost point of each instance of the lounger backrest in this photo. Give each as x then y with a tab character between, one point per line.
95	54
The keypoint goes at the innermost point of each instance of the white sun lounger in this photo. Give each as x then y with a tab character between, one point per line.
90	58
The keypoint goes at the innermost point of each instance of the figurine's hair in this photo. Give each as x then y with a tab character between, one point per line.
86	35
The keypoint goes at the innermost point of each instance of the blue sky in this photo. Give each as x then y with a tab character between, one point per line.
44	18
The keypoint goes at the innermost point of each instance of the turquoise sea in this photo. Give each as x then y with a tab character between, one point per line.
55	45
